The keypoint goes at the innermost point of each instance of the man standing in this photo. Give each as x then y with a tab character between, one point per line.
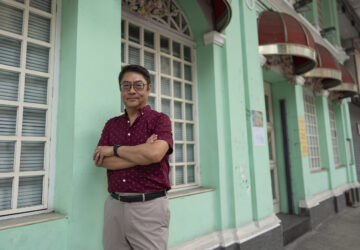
135	149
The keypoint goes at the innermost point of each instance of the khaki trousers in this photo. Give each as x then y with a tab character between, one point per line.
136	225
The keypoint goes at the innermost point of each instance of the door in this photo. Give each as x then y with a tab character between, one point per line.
272	153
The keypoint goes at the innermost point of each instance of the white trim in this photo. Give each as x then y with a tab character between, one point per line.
316	199
300	80
231	236
214	37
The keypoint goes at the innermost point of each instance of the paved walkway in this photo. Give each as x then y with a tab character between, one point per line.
340	232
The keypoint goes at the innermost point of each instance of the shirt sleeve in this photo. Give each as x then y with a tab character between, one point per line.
105	136
163	131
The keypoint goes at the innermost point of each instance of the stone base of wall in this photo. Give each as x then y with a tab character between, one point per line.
272	239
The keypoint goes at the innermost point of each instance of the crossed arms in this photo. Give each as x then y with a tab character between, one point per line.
152	151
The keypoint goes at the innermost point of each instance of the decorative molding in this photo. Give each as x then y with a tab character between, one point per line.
186	192
230	236
214	37
262	60
322	92
300	80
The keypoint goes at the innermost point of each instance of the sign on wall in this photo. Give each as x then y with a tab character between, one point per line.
303	142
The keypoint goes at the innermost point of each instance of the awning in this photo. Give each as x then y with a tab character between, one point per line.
328	70
282	35
348	86
222	13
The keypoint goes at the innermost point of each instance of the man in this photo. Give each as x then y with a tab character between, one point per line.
135	149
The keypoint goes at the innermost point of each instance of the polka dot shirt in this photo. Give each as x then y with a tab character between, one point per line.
139	179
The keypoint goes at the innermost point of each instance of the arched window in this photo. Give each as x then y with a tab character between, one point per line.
164	46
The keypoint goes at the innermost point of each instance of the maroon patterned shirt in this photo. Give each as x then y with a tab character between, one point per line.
139	179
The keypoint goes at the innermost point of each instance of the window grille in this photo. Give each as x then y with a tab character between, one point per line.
170	62
312	134
334	136
27	30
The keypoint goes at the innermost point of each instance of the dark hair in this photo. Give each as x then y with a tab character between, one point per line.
138	69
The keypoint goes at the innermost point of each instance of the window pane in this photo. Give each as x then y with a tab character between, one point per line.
164	45
176	49
190	173
7	120
178	110
134	55
123	52
30	191
149	39
123	29
10	50
187	70
177	89
165	86
179	153
37	58
11	19
189	132
177	69
165	107
149	60
190	152
5	193
35	89
39	28
178	131
9	82
187	53
32	156
189	112
188	92
153	83
179	175
165	65
151	102
44	5
134	33
7	153
34	121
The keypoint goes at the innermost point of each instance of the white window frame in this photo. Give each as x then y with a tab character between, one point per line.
183	40
312	132
20	104
334	137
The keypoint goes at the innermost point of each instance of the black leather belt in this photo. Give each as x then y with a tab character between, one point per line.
139	197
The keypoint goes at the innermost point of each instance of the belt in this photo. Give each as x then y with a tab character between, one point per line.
139	197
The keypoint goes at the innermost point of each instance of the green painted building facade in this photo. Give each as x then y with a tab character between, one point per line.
227	193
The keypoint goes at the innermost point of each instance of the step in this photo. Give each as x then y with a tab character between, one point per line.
293	226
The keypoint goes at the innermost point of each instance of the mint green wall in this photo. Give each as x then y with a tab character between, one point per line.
40	236
88	96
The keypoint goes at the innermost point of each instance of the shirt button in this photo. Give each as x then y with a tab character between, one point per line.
142	113
124	180
128	134
128	121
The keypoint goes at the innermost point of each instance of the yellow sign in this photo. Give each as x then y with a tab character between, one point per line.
303	142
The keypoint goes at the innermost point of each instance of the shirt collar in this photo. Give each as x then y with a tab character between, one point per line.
144	110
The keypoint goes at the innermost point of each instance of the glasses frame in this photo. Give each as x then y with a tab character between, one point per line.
132	85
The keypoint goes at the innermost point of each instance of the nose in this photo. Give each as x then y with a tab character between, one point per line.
132	90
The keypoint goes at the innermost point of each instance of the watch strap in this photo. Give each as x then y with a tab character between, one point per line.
116	146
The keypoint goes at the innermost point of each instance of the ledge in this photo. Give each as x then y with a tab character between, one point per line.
319	170
187	192
340	167
28	220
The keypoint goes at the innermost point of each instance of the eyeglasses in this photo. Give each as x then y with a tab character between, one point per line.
138	86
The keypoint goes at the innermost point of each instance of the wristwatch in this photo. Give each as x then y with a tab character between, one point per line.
116	146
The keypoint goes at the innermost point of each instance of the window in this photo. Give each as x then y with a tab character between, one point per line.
348	152
169	57
26	62
334	136
312	134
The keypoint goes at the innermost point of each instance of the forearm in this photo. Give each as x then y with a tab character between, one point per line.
116	163
144	154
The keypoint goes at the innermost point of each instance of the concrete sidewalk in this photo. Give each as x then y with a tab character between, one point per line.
340	232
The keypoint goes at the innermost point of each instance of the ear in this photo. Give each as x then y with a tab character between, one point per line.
149	87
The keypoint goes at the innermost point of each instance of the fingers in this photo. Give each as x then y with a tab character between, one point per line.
152	138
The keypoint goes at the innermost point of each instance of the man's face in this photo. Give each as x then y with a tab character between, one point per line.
134	98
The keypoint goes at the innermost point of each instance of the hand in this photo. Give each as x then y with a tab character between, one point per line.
101	152
151	139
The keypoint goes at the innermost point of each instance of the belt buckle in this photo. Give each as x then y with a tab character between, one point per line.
143	197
